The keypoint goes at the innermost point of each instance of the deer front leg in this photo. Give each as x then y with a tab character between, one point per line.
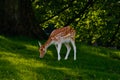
68	50
58	47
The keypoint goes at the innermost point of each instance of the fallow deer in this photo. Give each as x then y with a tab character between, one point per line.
59	36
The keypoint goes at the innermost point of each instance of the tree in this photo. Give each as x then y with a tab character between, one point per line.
17	18
96	21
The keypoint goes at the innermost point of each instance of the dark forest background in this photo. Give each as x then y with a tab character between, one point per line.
97	22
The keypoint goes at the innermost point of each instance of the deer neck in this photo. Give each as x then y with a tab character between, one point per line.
48	43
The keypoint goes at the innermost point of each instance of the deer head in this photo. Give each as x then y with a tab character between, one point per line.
42	50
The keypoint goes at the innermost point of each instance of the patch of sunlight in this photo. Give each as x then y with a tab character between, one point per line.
97	51
31	47
8	54
24	63
50	53
37	6
93	50
65	70
103	55
59	68
2	37
77	19
117	52
18	60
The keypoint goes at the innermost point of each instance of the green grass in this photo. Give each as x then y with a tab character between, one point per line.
19	60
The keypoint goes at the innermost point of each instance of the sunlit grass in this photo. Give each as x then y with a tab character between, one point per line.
19	60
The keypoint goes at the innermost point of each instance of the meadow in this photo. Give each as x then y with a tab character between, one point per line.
19	60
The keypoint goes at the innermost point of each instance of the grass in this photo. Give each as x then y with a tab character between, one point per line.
19	60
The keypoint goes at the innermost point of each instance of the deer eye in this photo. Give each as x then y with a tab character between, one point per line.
42	49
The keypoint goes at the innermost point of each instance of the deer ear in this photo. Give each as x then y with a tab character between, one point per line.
39	43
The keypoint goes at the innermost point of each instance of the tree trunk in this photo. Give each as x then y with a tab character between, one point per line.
17	18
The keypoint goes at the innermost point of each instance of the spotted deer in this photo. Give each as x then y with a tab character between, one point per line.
58	37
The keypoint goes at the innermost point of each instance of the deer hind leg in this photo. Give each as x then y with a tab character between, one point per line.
58	47
68	50
74	47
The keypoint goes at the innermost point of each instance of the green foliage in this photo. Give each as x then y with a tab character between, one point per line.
99	23
19	60
56	12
